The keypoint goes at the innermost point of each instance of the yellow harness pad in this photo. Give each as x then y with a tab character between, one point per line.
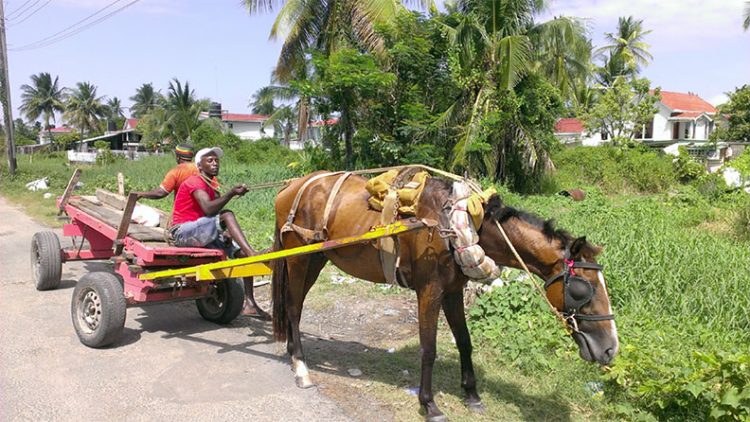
475	206
408	196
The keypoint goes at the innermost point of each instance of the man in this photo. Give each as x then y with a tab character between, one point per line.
174	177
198	205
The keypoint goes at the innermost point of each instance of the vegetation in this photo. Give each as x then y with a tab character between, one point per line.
43	98
737	110
84	108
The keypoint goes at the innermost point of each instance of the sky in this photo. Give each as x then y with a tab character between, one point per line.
226	55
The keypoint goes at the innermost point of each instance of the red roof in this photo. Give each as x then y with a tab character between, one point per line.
329	122
131	123
678	101
687	114
236	117
63	129
569	125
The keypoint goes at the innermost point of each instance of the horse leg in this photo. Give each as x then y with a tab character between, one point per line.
453	307
429	308
303	272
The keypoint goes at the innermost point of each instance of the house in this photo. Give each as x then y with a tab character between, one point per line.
247	126
314	133
571	131
680	117
46	136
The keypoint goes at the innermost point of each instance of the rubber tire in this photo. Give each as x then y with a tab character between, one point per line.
111	313
231	297
46	260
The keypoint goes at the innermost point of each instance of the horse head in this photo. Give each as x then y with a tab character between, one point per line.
574	282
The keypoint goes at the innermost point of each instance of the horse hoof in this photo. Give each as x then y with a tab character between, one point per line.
304	382
474	406
436	418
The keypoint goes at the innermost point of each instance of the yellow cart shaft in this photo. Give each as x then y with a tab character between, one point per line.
257	265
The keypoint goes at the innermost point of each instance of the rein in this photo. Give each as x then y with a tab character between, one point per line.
571	315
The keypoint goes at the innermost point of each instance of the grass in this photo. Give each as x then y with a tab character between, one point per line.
676	266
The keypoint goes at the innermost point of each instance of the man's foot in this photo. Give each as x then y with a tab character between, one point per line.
254	311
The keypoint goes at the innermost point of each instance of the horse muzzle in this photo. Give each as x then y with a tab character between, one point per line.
596	348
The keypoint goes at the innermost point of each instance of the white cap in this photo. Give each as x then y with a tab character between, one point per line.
213	150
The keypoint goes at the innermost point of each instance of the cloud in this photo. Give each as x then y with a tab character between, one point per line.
681	24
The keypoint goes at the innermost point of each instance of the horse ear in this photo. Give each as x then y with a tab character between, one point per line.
577	247
493	207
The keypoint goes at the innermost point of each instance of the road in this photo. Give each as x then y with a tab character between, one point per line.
169	365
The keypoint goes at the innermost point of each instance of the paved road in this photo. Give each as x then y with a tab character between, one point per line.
169	365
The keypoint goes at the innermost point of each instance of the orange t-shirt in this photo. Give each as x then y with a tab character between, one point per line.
174	177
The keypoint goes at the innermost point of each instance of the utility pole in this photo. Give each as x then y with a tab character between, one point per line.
10	142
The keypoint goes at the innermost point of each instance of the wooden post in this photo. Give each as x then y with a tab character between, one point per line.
122	229
10	142
69	190
120	184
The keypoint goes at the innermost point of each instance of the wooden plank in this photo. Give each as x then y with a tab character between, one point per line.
113	218
120	184
112	199
69	190
122	229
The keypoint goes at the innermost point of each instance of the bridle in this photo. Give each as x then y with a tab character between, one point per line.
577	292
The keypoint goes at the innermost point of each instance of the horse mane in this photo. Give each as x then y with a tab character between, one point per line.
496	210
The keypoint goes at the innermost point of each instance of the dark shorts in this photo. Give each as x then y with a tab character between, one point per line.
205	232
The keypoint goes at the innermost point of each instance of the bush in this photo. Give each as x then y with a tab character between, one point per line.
614	169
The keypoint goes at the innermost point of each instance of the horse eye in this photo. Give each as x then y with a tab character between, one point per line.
580	290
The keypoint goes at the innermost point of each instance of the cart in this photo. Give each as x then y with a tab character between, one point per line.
147	269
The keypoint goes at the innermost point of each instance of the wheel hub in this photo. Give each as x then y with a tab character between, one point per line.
91	310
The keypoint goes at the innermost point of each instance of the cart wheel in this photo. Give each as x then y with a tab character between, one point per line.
98	309
46	260
224	301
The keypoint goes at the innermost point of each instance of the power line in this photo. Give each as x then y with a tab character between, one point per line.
8	16
31	14
72	30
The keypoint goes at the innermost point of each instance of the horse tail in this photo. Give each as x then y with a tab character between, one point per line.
279	283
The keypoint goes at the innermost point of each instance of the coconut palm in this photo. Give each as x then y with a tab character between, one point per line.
325	25
83	109
182	110
262	101
628	42
114	108
746	15
44	97
145	100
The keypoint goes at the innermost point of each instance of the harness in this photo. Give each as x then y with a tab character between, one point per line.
318	234
577	292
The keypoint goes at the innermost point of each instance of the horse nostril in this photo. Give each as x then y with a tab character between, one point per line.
610	352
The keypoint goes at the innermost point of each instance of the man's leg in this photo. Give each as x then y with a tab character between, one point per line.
230	222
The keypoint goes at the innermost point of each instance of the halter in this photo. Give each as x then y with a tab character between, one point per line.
577	292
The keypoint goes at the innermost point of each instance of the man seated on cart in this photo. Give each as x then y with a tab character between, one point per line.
175	176
199	220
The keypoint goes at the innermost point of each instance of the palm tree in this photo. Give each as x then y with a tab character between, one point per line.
44	97
746	15
114	108
262	101
628	43
145	100
283	120
325	25
493	50
182	110
83	108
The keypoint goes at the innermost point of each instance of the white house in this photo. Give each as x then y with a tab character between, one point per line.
247	126
680	117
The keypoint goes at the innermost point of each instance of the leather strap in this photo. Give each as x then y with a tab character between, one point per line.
331	199
293	211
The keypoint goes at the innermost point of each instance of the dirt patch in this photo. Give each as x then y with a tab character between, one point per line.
360	338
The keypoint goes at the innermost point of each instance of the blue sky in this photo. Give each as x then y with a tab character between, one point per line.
226	55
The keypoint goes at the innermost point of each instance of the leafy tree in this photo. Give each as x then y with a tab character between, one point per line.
326	26
628	45
83	108
44	97
347	80
622	110
26	134
737	112
746	16
145	100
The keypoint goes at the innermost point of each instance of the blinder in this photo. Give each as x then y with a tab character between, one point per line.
577	292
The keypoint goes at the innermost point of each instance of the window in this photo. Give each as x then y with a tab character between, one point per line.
604	135
687	131
230	125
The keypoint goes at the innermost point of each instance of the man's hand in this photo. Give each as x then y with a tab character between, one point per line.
239	190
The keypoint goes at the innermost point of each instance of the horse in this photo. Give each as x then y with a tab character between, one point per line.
575	284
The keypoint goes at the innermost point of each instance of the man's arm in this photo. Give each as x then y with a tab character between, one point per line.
157	193
210	207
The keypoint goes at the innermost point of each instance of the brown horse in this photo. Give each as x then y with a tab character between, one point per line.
575	284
